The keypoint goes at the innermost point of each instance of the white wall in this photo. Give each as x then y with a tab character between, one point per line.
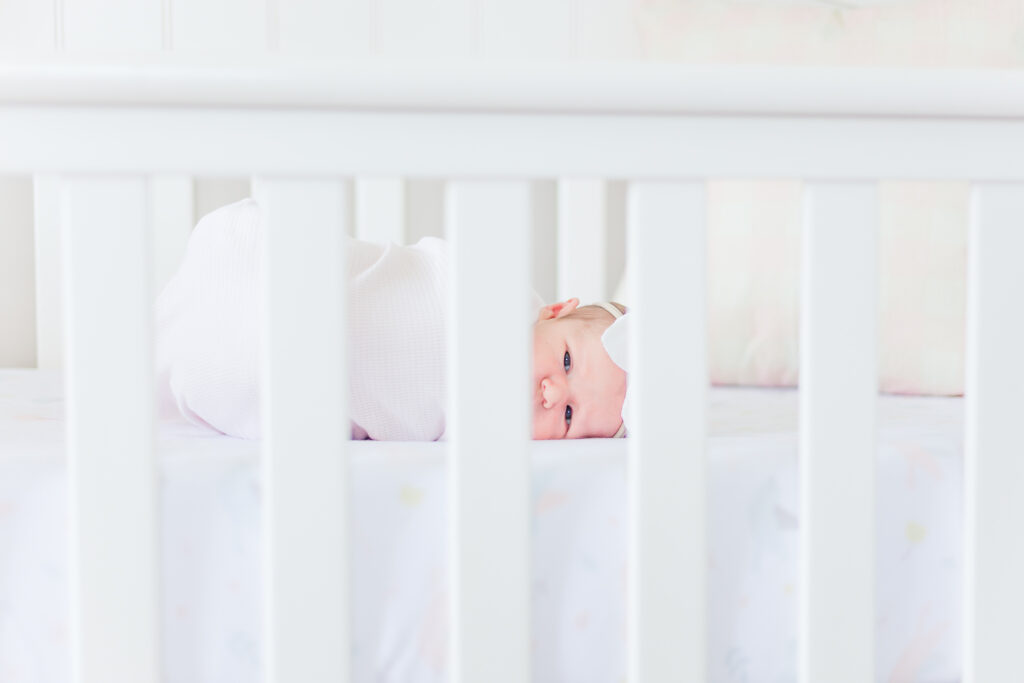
17	274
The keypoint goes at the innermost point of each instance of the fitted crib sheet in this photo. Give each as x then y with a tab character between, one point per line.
211	547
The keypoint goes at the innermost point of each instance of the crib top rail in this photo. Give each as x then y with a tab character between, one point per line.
541	88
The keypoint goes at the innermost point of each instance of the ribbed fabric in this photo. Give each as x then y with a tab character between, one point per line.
208	330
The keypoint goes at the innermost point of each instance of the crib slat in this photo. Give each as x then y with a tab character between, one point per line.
111	473
668	387
380	210
49	316
488	366
582	237
172	203
994	468
305	430
838	388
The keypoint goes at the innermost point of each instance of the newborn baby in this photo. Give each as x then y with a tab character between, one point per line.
208	328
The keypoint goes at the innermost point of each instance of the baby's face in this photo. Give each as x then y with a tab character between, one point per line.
578	390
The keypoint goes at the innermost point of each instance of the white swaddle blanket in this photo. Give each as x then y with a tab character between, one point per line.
208	330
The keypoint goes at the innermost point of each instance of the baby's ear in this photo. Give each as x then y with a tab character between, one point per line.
558	310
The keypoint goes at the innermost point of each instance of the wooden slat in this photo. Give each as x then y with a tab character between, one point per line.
111	472
582	240
994	468
49	314
172	207
668	468
305	431
838	387
236	140
380	210
489	578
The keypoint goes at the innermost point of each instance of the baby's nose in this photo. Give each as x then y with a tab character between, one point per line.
552	392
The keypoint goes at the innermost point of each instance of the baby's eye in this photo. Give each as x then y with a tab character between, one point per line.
568	415
566	361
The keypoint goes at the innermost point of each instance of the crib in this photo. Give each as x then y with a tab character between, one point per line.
109	140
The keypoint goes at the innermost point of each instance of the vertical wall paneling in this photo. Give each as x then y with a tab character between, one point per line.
305	476
111	467
608	29
667	614
220	26
107	26
380	210
525	30
27	26
424	28
172	205
994	468
49	289
582	240
489	423
838	388
324	28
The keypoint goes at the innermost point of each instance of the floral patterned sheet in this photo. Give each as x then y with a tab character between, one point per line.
211	547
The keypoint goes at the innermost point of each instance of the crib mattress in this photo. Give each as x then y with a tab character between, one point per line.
211	547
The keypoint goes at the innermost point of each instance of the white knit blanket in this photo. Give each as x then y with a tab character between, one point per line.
208	330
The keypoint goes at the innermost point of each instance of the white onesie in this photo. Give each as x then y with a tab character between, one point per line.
208	328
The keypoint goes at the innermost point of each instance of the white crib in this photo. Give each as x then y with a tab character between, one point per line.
305	133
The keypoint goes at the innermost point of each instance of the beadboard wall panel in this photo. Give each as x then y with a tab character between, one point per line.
27	27
324	28
235	28
110	27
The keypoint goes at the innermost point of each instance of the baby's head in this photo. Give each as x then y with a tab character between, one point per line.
578	390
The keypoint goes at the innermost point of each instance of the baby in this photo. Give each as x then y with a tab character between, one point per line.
208	328
578	389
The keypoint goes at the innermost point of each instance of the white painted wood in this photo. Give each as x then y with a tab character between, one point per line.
608	30
838	389
239	141
380	210
668	548
49	273
236	27
324	28
111	467
582	239
172	207
305	476
488	430
108	26
438	29
27	26
636	88
526	30
994	469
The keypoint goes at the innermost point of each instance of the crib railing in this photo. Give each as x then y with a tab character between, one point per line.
304	134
